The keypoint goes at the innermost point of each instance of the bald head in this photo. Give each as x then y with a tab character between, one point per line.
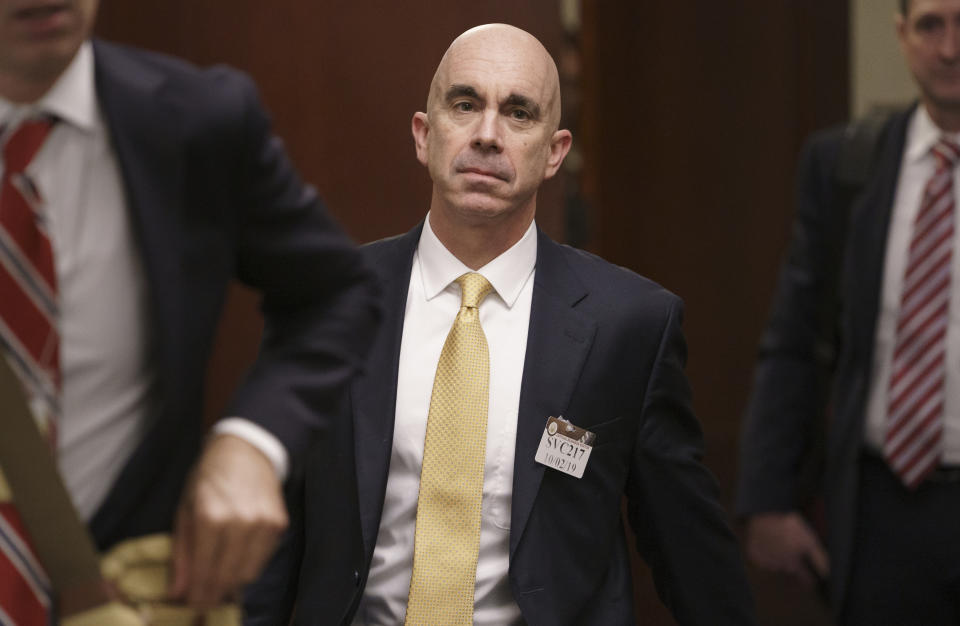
489	138
500	46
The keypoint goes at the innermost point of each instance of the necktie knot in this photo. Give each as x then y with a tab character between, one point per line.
474	288
947	153
24	143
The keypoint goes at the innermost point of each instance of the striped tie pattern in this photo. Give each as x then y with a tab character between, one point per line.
447	540
917	386
29	339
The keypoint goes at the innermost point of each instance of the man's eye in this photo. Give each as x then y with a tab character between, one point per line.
464	106
927	24
520	114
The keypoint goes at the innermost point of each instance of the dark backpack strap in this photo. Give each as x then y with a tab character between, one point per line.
859	149
855	164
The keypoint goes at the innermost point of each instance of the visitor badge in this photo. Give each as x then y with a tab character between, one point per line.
565	447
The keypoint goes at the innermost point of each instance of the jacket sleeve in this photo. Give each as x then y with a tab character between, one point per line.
673	501
319	299
787	399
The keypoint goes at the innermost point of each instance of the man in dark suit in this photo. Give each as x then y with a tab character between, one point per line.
890	478
157	183
570	336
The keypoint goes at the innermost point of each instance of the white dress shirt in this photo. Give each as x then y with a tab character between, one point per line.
916	168
109	377
433	301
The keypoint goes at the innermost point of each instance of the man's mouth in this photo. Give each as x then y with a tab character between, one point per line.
483	172
42	20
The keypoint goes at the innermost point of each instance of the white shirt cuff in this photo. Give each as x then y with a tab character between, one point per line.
260	438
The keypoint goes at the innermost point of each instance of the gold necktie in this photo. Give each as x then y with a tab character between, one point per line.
451	481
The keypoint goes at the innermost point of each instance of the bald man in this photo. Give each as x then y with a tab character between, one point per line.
506	508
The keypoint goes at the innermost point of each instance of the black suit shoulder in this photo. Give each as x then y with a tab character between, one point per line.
375	250
611	279
217	107
191	79
624	302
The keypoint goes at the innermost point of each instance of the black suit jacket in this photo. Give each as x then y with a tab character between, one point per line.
213	197
780	427
604	350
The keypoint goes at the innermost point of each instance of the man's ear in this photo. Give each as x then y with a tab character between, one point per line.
420	126
900	26
559	147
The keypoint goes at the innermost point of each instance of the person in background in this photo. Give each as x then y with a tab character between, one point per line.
134	188
891	477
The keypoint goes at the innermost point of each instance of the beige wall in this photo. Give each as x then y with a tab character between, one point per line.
878	74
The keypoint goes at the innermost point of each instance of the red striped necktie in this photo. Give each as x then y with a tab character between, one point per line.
912	445
29	339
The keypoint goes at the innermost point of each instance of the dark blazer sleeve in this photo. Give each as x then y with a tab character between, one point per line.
319	298
780	426
673	501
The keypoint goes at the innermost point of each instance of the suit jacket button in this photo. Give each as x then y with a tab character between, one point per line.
356	578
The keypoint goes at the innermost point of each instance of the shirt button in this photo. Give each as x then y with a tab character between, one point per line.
356	578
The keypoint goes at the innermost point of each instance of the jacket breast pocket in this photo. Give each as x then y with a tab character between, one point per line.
608	432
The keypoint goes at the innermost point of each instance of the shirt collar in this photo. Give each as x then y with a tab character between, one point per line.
71	99
923	134
507	273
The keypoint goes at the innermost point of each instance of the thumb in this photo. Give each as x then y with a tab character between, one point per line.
819	560
180	558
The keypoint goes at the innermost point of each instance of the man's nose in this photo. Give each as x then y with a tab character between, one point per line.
949	48
487	133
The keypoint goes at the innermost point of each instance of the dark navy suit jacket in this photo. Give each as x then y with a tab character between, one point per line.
213	197
606	351
780	427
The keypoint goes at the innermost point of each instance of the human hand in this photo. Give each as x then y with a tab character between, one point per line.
230	517
784	543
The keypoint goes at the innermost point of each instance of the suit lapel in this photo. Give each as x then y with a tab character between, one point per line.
374	394
147	145
870	222
864	263
557	345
